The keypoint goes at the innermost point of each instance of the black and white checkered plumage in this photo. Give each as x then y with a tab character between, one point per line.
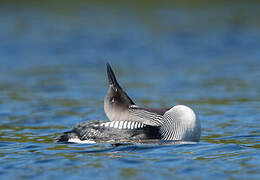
129	122
115	131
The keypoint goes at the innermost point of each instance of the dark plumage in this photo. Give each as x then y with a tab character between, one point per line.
129	122
96	131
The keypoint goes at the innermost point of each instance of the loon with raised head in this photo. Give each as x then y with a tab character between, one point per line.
128	122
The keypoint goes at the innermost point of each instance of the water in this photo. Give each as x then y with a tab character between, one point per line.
52	63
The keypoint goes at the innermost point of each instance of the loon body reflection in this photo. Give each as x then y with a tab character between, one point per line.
128	122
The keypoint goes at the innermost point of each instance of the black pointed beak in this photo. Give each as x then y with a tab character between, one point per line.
116	87
112	78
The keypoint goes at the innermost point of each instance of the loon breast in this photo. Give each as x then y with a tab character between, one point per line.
101	131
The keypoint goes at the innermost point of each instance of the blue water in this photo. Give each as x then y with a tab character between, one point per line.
52	64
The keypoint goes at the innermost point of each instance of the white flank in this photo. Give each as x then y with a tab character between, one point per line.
120	124
116	124
136	125
132	125
76	140
129	124
125	124
112	124
107	124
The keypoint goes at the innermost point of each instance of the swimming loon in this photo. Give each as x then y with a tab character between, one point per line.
128	122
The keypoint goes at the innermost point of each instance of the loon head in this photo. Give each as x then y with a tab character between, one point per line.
116	102
180	123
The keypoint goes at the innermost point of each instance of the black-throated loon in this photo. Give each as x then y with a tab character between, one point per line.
129	122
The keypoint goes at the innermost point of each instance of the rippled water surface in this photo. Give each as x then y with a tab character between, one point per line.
52	63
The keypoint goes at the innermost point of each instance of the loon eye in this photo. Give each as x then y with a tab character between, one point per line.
112	100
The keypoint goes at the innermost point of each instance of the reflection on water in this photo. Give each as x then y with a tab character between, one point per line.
53	57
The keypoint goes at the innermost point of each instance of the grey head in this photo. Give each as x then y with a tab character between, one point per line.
118	106
116	102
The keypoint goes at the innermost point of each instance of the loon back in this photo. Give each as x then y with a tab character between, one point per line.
178	123
110	132
118	106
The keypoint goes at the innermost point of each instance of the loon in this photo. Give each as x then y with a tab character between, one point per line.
130	123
